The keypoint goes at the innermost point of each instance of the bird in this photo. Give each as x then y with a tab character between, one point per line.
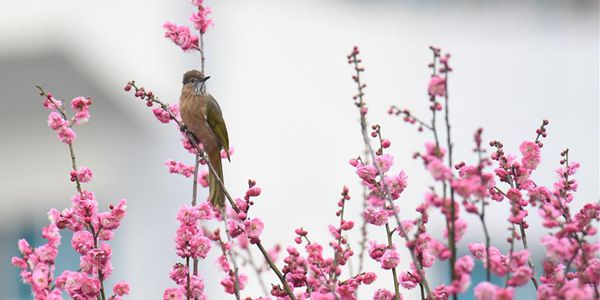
202	116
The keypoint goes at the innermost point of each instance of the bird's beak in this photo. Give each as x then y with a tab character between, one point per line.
205	78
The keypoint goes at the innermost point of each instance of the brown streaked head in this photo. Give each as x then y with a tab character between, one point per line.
194	76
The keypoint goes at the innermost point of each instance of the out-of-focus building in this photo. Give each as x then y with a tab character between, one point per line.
279	71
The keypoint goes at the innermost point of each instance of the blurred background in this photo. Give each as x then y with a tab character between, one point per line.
279	71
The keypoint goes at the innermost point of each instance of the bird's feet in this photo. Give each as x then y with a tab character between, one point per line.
183	128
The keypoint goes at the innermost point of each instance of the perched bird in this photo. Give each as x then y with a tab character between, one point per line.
202	116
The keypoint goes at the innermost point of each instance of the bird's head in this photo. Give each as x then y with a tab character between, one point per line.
196	80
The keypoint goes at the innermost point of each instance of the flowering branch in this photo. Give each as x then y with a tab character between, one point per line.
89	227
360	104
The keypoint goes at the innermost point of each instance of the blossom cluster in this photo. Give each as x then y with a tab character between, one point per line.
91	230
181	35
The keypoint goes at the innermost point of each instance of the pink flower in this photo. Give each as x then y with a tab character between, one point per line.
121	288
188	215
322	296
383	294
66	135
442	292
163	115
82	116
253	192
396	184
528	148
82	241
200	246
464	264
437	86
390	259
56	121
439	170
366	172
376	216
504	294
80	103
485	291
203	178
376	250
384	162
201	19
254	228
180	35
369	277
173	294
178	273
84	174
196	286
228	283
520	276
51	103
179	168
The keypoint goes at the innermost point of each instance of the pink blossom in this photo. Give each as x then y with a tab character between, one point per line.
369	277
66	135
178	273
83	174
384	162
485	291
51	103
390	259
201	19
366	172
504	294
179	168
82	116
520	276
229	153
383	294
376	250
464	264
200	246
188	215
203	178
56	121
322	296
228	283
196	286
163	115
376	216
121	288
82	241
181	36
254	228
442	292
174	294
439	170
437	86
396	184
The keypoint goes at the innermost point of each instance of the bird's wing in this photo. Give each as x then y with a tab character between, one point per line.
214	117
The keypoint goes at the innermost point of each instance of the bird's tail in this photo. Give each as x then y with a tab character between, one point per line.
217	194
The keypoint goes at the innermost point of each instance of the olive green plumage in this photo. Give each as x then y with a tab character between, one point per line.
202	115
